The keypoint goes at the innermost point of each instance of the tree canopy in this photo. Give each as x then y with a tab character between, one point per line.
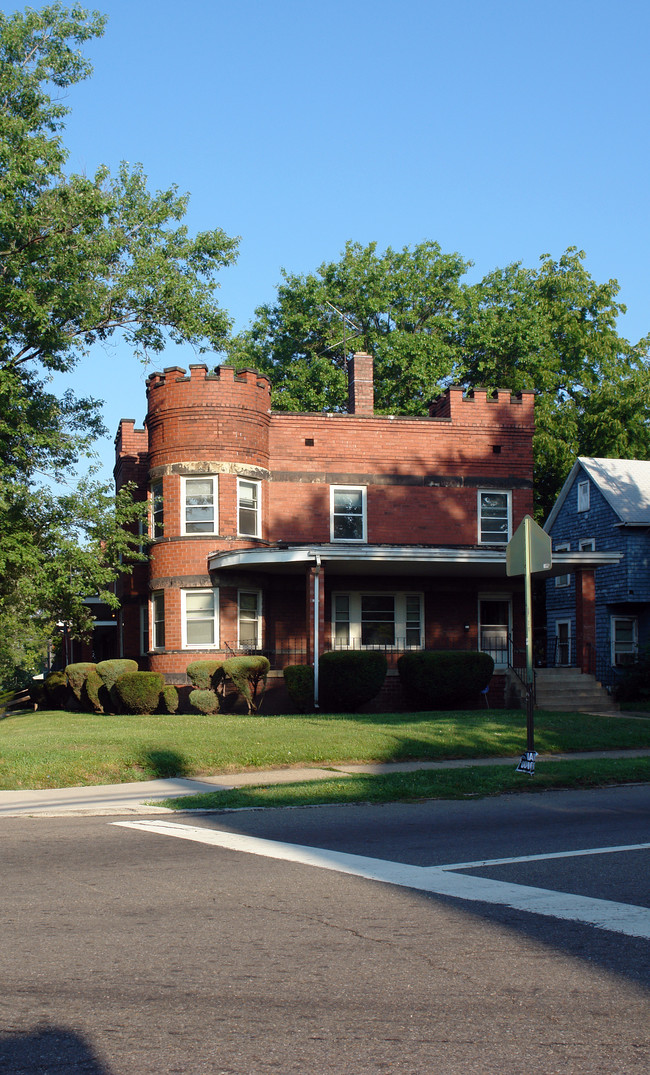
552	329
81	257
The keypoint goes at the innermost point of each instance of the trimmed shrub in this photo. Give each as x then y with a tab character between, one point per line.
94	693
349	678
204	701
37	692
201	674
76	674
444	679
110	671
57	690
299	680
246	673
169	700
139	692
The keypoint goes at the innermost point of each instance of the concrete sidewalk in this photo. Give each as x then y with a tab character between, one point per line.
132	798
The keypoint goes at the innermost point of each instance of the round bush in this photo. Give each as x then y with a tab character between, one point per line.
94	693
110	671
201	673
139	692
169	700
349	678
204	701
76	674
57	690
299	680
444	679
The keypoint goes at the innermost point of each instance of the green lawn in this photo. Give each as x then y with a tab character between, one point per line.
56	749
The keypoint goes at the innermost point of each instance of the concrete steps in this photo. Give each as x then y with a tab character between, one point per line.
571	689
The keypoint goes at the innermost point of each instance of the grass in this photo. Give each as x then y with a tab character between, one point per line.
473	782
58	749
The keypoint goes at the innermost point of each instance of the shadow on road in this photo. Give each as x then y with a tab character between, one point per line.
54	1050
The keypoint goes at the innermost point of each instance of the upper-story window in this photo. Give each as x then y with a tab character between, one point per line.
587	545
348	513
200	505
248	507
494	515
157	520
583	496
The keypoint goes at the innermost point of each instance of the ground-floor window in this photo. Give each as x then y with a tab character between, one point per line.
625	639
377	619
495	613
249	619
158	619
200	612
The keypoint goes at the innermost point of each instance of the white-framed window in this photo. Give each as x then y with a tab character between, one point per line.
563	643
144	627
494	627
158	619
587	545
494	517
157	510
348	512
562	546
583	496
200	499
200	618
625	639
378	619
248	507
249	619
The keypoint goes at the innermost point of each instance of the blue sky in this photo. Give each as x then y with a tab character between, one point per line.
504	130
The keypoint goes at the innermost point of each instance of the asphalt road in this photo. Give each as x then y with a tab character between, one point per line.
127	950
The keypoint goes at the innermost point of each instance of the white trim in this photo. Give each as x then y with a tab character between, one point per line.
334	489
494	492
257	507
258	612
399	622
152	619
214	481
583	495
500	598
634	648
213	619
587	545
152	512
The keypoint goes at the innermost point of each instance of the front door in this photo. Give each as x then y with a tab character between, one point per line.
563	642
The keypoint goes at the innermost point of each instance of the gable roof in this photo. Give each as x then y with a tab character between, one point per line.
624	483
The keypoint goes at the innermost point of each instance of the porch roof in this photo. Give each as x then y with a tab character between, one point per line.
467	562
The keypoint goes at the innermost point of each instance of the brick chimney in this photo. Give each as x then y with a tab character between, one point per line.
361	394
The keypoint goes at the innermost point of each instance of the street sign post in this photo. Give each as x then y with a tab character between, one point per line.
527	552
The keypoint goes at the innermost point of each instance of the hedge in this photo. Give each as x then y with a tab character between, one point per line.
349	678
139	692
444	679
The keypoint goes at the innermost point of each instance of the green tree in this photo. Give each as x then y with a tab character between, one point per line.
80	259
552	329
401	306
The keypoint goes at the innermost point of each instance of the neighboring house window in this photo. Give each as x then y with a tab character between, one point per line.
199	611
583	496
624	639
250	619
494	518
158	619
347	513
144	627
386	619
562	580
200	505
587	545
248	507
157	521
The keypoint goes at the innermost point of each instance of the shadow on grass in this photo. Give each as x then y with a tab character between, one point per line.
162	763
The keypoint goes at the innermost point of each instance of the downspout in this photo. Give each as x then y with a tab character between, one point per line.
316	626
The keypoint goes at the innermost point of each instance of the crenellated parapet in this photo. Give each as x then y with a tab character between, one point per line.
219	415
479	404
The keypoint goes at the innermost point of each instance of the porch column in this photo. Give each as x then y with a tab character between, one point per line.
586	619
315	596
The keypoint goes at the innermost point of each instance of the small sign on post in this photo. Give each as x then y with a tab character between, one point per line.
528	551
527	763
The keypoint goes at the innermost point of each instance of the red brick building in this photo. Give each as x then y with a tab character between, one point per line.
293	533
